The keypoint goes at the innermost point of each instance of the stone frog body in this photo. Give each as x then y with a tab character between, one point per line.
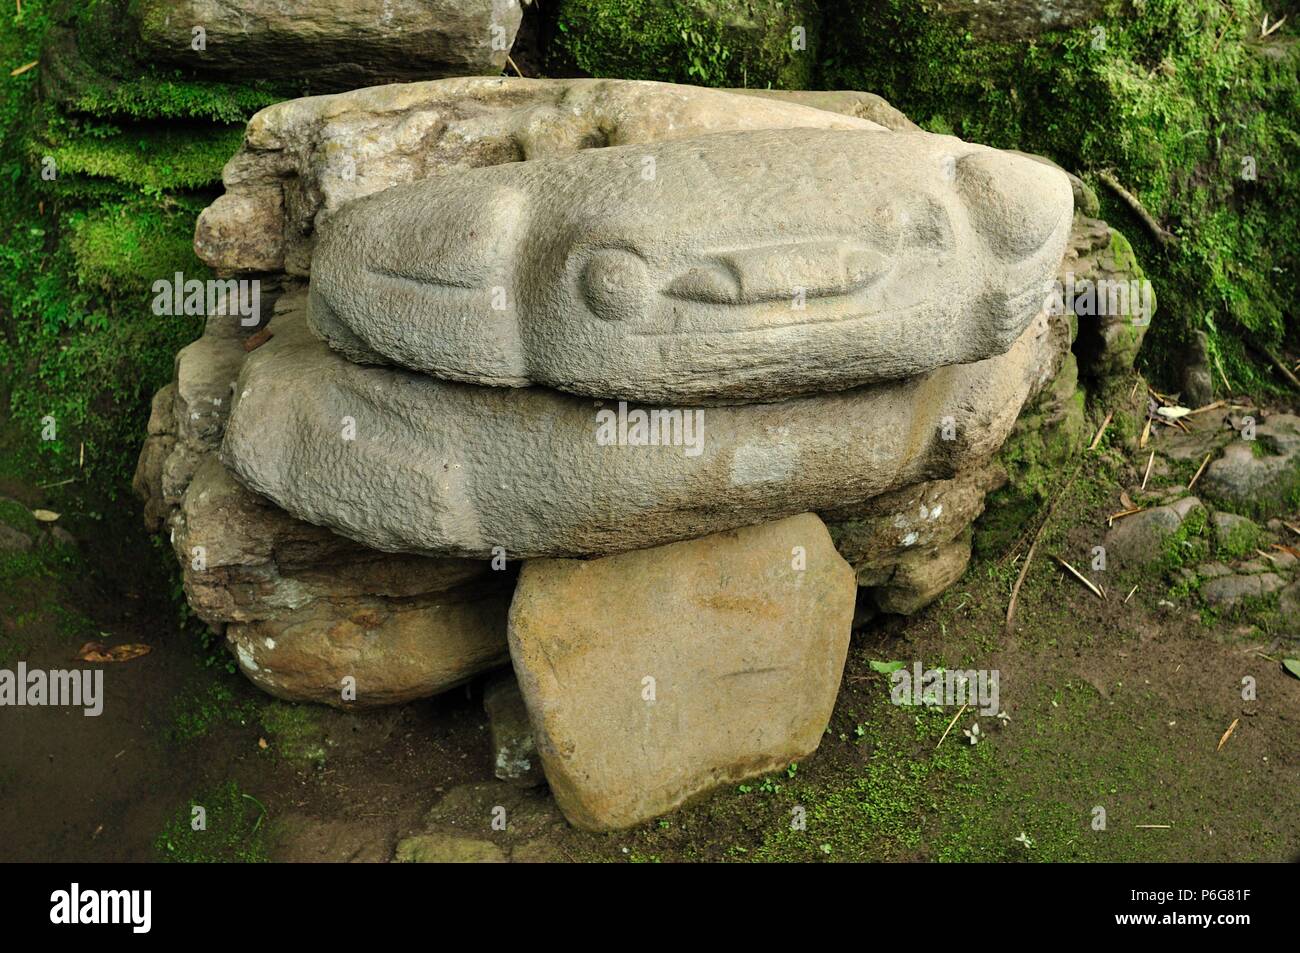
732	267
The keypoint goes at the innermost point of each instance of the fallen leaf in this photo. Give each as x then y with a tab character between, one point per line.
261	743
1292	665
1228	734
18	71
45	516
886	668
1173	413
98	652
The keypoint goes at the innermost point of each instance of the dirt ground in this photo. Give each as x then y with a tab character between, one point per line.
1111	748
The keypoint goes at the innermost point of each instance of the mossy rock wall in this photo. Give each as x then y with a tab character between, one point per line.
755	43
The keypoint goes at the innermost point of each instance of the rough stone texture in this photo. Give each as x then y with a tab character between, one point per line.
745	652
331	44
749	266
301	606
454	469
1227	591
515	759
1139	540
1288	605
303	159
1260	476
1008	20
1233	533
908	546
1108	343
846	102
917	578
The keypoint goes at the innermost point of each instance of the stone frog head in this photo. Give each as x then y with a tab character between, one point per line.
732	267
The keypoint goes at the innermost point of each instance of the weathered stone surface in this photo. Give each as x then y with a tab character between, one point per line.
846	102
332	44
656	675
1261	476
304	159
304	608
1228	591
749	266
1140	540
1113	320
1234	535
455	469
885	528
1010	20
515	759
917	578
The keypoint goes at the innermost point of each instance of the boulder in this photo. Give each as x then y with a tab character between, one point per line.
329	44
304	608
1141	539
1260	476
737	267
403	462
515	757
304	159
1227	591
654	676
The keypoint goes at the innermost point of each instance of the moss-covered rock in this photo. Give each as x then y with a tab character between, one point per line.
1181	100
758	43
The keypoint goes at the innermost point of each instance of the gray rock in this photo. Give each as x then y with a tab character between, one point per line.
1140	540
1226	591
1288	604
331	44
1198	381
515	759
1234	536
736	267
304	159
1260	476
452	469
656	675
846	102
303	608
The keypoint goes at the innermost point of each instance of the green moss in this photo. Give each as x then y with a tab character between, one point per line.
295	732
123	248
1173	102
234	829
1241	540
150	158
214	701
1189	544
79	87
707	42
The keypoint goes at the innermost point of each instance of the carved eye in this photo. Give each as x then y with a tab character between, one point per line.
715	284
616	285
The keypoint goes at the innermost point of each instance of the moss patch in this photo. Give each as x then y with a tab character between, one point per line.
750	43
